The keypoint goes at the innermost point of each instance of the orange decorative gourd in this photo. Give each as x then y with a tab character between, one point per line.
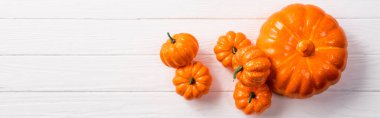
252	99
252	67
307	48
228	45
192	81
179	50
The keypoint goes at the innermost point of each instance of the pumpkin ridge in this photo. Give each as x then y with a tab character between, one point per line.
164	58
200	86
304	79
183	84
227	60
188	71
181	53
262	67
172	56
196	92
201	72
327	48
178	81
243	43
311	75
231	36
240	39
221	55
195	47
190	49
291	68
236	39
316	26
288	30
205	75
290	79
182	88
326	37
188	92
308	65
337	78
329	63
190	45
287	59
335	25
315	77
222	48
169	57
194	69
203	80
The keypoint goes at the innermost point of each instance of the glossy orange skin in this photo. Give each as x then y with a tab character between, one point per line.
307	48
256	66
202	80
258	104
181	52
224	48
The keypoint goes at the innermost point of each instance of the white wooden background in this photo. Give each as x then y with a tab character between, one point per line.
99	58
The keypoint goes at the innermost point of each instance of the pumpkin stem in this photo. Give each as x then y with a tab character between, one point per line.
234	50
238	69
251	96
306	48
171	38
192	81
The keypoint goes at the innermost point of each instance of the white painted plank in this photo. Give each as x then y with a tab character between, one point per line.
141	73
99	58
134	9
170	105
120	37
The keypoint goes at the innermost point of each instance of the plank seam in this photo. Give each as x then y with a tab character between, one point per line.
21	55
374	18
69	91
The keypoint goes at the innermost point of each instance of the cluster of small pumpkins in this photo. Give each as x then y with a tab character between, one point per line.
300	52
192	79
252	68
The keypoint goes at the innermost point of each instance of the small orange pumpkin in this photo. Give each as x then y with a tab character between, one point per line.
252	67
252	99
228	45
307	48
192	81
179	50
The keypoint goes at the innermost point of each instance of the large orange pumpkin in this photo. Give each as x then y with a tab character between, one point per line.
252	99
307	48
179	50
252	66
228	45
192	81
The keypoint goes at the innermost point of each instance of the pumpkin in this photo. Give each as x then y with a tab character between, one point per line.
179	50
307	48
192	81
252	66
252	99
228	45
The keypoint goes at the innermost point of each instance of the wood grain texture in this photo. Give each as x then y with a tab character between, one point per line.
141	73
170	105
137	37
140	9
99	58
